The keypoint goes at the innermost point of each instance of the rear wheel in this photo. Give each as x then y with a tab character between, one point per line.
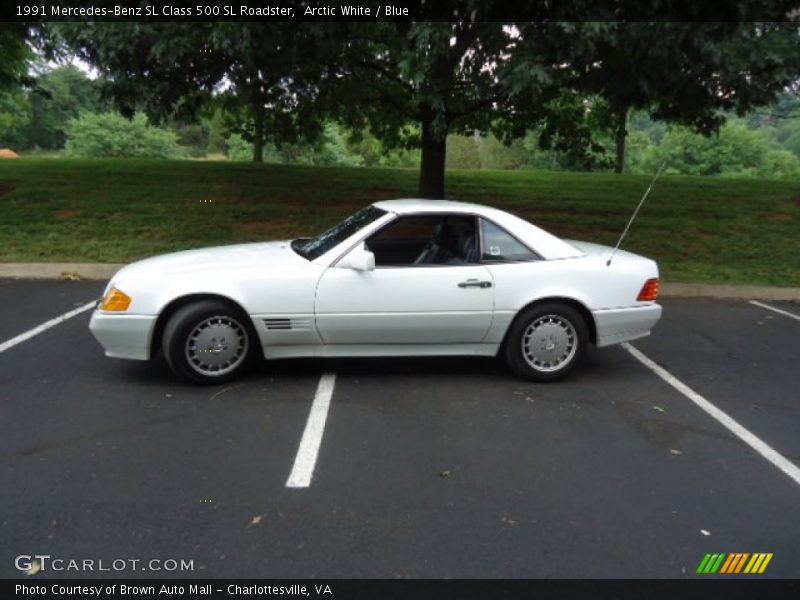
209	342
546	341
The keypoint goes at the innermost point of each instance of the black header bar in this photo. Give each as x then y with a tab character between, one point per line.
397	10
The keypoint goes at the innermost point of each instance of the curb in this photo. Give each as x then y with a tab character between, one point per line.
104	271
727	291
59	270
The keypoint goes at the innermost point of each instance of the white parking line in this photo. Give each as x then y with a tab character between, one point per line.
45	326
756	443
773	309
306	458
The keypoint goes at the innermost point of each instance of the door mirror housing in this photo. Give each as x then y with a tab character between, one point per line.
359	259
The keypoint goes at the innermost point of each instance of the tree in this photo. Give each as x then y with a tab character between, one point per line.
442	77
685	73
15	54
161	66
15	114
259	71
15	57
60	95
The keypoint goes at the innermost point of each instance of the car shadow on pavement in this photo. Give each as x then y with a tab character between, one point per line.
601	364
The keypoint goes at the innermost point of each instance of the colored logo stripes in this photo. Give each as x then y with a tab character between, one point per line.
735	562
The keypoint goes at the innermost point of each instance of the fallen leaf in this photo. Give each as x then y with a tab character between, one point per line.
704	532
70	276
675	452
444	474
256	520
168	395
658	409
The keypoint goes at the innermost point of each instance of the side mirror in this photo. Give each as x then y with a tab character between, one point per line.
359	259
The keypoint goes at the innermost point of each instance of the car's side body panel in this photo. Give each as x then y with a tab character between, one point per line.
404	305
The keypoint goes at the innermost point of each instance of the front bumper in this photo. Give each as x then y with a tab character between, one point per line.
123	336
618	325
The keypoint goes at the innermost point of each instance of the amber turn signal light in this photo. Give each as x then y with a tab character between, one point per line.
116	300
650	290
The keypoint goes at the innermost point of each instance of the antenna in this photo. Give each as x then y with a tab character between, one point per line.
636	212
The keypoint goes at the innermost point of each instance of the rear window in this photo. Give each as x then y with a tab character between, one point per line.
501	246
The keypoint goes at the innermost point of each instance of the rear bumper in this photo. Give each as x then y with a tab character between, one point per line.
624	324
123	336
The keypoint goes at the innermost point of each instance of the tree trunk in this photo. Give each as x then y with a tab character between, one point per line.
258	133
431	175
619	138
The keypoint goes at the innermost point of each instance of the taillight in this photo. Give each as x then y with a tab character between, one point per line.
649	290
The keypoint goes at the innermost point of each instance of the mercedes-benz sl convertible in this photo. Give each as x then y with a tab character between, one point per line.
397	278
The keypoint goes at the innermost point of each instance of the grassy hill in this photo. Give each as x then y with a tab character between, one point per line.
699	229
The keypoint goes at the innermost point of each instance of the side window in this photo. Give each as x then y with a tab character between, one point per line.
425	240
500	246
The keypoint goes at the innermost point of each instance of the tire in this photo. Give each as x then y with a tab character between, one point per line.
209	342
560	334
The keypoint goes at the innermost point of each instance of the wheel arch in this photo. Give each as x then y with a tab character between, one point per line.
176	304
571	302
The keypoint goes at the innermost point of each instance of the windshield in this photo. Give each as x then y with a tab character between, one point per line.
319	245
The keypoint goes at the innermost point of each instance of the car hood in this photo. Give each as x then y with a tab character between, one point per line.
261	255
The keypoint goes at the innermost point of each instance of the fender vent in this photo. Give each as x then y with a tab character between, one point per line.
287	324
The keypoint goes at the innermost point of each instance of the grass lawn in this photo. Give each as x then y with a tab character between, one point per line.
698	229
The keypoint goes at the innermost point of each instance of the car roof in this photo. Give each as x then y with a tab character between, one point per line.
546	244
416	205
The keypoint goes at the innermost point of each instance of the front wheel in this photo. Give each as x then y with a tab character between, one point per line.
546	341
208	342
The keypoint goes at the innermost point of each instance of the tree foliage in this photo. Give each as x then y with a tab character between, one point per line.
15	116
260	71
442	77
60	94
683	73
15	54
413	84
734	150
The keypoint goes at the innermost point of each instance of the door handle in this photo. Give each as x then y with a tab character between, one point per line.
475	283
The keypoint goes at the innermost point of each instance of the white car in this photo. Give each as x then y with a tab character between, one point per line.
397	278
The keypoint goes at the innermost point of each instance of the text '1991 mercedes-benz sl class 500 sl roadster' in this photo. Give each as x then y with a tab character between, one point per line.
397	278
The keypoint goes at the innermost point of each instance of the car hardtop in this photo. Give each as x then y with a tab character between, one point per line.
544	243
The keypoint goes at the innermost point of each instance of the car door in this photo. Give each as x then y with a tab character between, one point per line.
426	287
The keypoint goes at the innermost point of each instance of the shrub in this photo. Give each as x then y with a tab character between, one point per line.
239	148
110	135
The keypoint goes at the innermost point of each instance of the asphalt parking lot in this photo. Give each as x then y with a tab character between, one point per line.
426	468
